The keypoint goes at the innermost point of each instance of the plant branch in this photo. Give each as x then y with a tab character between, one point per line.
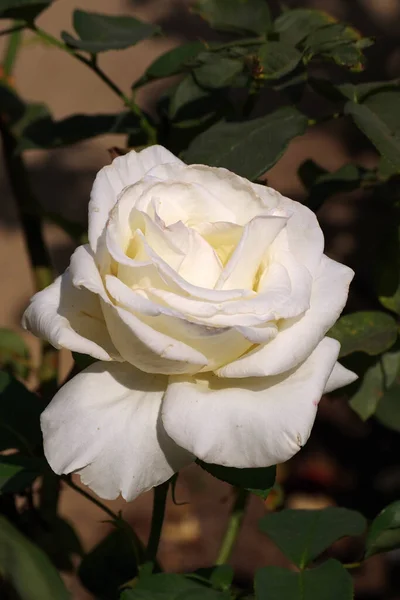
234	524
93	65
11	52
157	520
116	518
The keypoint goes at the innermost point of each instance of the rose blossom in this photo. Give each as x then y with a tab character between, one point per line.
206	300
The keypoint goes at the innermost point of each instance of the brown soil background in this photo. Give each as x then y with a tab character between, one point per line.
62	180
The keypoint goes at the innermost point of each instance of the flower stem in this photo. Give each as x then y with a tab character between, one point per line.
12	48
235	522
145	124
157	520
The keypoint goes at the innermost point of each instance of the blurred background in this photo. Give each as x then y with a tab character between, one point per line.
344	457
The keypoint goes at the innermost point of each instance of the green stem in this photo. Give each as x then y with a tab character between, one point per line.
92	64
11	52
12	29
116	518
235	522
157	520
355	565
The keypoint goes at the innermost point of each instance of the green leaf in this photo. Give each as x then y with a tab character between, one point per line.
241	16
388	409
217	71
384	532
186	93
302	535
14	353
330	581
171	63
248	148
44	132
359	92
27	567
109	565
373	383
220	577
168	586
17	472
19	415
99	33
371	332
24	10
387	266
378	118
323	184
12	107
259	481
277	59
295	25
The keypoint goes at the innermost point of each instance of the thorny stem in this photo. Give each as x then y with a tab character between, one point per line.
92	64
157	520
234	524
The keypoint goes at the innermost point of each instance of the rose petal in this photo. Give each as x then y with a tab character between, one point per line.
298	337
339	377
105	425
110	181
70	318
256	422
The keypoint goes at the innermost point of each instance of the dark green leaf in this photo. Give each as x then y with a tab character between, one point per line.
371	332
14	353
243	16
46	133
216	71
359	92
187	92
378	118
19	415
248	148
24	10
323	184
109	565
295	25
17	472
27	567
302	535
99	33
384	532
171	63
168	586
378	377
388	267
277	59
330	581
259	481
12	107
220	577
388	409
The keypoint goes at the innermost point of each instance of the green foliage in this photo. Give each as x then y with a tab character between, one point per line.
109	565
247	16
384	533
25	10
27	567
302	535
15	401
372	332
248	148
377	116
168	586
259	481
18	472
14	353
99	33
329	581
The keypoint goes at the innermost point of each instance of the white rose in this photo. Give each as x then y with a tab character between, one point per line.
209	297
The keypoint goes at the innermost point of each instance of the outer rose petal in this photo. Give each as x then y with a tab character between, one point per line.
105	425
70	318
298	337
256	422
112	179
339	377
